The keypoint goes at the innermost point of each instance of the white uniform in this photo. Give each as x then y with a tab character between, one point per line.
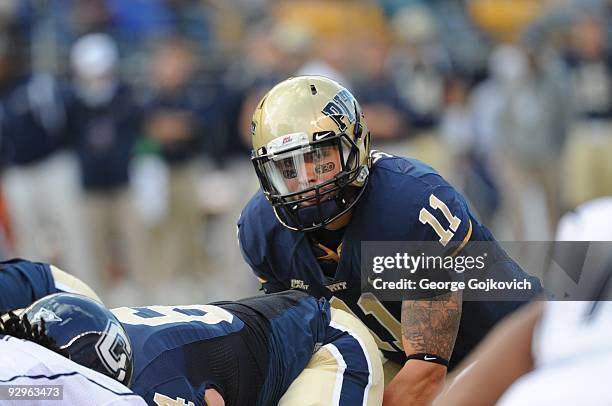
589	222
573	358
27	363
572	349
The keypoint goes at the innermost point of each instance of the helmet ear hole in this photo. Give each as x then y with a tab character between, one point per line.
358	130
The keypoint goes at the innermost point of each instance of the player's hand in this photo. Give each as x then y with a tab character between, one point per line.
213	398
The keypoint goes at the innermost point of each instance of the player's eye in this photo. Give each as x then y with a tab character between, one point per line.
319	154
287	168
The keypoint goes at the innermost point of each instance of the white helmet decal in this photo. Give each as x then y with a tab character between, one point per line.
46	315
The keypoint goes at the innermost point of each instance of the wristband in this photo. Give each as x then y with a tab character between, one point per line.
429	358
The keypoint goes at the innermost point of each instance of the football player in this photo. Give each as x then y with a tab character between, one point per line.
252	351
81	356
324	192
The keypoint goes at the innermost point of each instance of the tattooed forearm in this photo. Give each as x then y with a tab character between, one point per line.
430	326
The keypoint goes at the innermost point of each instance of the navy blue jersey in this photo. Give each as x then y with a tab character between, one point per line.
404	200
23	282
249	350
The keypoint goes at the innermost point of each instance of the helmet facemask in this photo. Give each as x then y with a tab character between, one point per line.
310	183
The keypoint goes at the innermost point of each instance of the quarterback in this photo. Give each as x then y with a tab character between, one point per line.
323	192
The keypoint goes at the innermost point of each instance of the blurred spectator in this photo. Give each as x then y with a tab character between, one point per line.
588	163
504	68
386	113
470	167
139	22
419	65
104	123
330	59
590	69
177	121
486	105
135	25
40	183
271	52
456	124
467	46
335	25
534	122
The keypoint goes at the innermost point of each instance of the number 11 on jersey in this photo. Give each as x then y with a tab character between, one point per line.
426	217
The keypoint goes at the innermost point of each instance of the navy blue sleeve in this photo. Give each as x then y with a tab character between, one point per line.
255	231
260	266
23	282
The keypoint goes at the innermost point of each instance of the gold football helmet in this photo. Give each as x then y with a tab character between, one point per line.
310	151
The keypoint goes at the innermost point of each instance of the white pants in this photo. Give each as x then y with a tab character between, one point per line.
45	207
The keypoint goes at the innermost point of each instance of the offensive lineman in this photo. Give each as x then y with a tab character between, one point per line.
245	352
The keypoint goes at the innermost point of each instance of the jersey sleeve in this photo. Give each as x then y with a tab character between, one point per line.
442	229
23	282
253	253
64	282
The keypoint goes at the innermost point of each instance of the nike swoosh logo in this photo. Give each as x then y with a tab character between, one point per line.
318	137
426	358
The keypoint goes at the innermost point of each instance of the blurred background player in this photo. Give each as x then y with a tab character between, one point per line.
176	126
103	123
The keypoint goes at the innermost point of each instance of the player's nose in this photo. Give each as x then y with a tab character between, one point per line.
311	174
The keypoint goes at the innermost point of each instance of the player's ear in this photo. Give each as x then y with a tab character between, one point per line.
213	398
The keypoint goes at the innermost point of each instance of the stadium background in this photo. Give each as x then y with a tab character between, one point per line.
129	167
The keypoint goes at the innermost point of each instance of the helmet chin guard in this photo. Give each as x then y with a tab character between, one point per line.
312	217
